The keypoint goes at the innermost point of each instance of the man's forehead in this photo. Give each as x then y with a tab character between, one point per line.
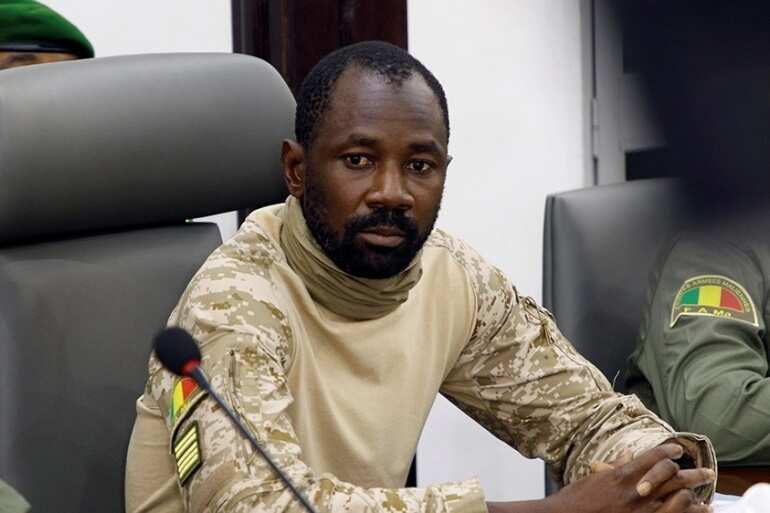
367	97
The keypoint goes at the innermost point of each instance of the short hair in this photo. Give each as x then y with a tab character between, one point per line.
388	60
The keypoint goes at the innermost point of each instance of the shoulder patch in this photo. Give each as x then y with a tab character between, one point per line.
712	295
187	453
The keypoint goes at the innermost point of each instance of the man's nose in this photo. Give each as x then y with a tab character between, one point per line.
389	189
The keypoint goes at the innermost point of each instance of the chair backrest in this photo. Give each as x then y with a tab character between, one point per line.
600	245
101	163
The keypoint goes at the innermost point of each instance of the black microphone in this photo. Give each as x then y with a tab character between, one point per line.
178	352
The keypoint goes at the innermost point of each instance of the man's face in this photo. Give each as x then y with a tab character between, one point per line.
374	174
17	59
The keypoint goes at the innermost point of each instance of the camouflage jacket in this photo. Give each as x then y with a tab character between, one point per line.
512	371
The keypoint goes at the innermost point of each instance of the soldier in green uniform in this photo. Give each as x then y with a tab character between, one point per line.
702	358
333	320
32	33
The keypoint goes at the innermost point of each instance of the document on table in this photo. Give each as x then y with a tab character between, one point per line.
724	503
755	500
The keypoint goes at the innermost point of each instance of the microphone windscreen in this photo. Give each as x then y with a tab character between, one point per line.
175	348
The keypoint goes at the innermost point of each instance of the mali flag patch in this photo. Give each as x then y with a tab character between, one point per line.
185	391
187	453
714	296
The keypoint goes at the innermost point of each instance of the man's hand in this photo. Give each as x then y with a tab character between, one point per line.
650	483
625	457
645	486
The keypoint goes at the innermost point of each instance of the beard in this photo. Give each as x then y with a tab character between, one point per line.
349	252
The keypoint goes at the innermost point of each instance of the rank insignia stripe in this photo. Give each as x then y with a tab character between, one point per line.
713	295
187	453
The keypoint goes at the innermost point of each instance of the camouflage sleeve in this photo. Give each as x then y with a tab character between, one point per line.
524	382
246	345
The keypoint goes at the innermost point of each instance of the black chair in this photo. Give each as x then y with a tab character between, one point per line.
600	245
102	161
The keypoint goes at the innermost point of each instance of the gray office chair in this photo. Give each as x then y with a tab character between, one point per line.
600	245
101	163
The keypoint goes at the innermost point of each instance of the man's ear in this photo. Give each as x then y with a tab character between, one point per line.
293	159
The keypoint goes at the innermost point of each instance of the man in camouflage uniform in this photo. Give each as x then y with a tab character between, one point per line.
702	359
331	322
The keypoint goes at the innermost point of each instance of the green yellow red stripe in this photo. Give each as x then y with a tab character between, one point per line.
183	391
712	295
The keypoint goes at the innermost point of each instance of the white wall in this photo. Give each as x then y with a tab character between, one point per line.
512	74
154	26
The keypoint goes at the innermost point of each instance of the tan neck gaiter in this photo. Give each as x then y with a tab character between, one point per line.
342	293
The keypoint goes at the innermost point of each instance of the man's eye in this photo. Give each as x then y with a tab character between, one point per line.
419	166
358	161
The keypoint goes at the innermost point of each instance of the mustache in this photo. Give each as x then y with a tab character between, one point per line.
382	217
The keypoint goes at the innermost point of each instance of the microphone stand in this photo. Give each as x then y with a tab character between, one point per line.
197	374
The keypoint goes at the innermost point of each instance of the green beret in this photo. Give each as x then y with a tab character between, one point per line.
27	25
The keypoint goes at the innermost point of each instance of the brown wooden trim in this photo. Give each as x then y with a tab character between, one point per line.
247	14
736	480
362	20
293	35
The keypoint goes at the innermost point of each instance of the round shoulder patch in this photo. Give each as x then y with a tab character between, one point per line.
712	295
